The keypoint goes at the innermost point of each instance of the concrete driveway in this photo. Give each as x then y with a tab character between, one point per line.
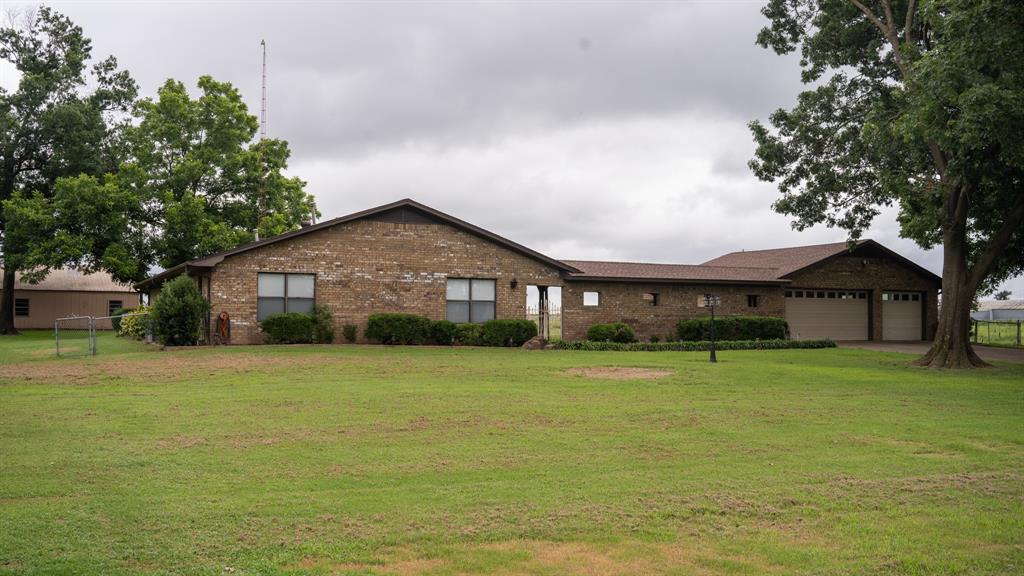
988	353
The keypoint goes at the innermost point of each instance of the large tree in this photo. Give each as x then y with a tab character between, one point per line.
917	104
210	185
63	119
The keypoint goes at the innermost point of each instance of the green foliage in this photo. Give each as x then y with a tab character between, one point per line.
612	332
137	325
178	313
682	346
917	104
63	119
469	334
316	327
1003	295
288	328
349	331
654	339
732	328
398	328
443	332
508	332
323	325
115	322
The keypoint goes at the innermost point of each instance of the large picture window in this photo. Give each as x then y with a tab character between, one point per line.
277	293
470	300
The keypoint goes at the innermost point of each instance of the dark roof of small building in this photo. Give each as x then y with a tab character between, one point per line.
642	271
71	280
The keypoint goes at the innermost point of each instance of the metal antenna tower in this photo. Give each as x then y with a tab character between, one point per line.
263	106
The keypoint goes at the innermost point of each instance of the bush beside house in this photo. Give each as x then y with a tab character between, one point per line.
612	332
398	328
732	328
177	315
136	326
298	328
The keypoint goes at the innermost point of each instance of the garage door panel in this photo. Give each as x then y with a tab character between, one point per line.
901	316
833	318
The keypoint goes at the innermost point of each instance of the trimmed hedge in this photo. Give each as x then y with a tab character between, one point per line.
397	328
316	327
613	332
288	328
469	334
349	331
693	346
732	328
507	332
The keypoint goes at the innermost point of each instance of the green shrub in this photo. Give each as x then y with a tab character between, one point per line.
694	346
349	331
732	328
115	322
613	332
443	332
178	313
508	332
469	334
654	339
323	325
135	326
288	328
397	328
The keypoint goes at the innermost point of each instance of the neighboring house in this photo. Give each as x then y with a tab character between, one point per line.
999	310
407	257
66	293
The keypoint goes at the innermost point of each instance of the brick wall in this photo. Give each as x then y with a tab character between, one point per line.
624	302
876	275
369	266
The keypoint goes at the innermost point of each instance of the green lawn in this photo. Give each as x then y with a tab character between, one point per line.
996	333
375	460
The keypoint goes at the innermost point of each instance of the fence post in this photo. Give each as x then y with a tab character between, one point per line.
56	335
1018	332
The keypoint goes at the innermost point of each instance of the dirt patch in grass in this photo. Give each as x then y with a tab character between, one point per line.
620	373
164	367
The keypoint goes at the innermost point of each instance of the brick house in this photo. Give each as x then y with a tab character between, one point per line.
408	257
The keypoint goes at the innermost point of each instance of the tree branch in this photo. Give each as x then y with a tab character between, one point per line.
988	259
908	28
887	29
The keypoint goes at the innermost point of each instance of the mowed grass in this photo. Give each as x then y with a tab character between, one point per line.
380	460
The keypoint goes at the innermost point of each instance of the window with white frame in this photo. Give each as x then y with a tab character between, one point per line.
277	293
470	300
591	298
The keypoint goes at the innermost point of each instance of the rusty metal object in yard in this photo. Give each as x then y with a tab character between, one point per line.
223	333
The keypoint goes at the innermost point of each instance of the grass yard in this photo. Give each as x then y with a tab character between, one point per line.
375	460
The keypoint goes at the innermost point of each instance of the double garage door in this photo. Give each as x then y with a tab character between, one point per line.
843	315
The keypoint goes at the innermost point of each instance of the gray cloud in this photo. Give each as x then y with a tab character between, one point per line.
584	130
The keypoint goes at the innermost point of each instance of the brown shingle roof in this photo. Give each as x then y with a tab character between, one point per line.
784	260
639	271
73	280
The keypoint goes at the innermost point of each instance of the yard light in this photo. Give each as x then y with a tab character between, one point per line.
710	301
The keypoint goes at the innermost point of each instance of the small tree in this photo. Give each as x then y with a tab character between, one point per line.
178	313
1003	295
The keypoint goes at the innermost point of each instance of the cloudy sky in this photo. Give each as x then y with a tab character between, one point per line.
583	130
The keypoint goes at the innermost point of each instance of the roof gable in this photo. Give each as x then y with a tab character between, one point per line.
403	211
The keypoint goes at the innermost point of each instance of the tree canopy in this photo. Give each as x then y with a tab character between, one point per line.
918	105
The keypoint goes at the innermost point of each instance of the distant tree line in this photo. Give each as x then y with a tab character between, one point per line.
93	177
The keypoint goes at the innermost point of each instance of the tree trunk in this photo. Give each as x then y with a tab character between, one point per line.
7	305
952	345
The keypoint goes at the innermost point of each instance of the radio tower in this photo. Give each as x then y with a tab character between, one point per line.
263	106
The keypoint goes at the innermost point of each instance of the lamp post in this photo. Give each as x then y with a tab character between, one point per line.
710	301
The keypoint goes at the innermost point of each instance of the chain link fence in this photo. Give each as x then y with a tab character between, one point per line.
996	332
76	335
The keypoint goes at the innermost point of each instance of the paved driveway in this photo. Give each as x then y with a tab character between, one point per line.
986	352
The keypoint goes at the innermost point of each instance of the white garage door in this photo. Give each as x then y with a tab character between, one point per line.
817	314
901	316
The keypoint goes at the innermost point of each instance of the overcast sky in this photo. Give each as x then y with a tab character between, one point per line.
583	130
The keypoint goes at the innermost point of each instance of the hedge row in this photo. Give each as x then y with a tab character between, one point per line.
699	346
614	332
316	327
732	328
397	328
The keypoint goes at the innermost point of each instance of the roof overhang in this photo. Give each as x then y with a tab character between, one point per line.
628	280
